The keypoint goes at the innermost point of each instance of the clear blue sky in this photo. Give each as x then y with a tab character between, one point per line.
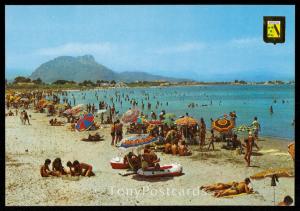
209	43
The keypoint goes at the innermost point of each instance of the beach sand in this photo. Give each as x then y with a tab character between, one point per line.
25	186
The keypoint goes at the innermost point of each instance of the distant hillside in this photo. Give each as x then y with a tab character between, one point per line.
86	68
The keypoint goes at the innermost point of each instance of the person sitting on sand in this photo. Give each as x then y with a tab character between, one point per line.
183	149
135	162
241	187
168	147
217	186
287	201
57	168
45	171
174	148
82	169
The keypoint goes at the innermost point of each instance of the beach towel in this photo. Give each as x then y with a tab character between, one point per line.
280	172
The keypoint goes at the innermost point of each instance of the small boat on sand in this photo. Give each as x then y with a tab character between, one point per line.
118	163
166	170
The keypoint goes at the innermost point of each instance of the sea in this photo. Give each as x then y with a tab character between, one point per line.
210	101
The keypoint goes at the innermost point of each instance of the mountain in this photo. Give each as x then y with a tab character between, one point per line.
86	68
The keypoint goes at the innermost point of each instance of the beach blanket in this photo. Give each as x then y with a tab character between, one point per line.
280	172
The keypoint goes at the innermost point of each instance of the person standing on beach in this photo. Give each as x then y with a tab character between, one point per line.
113	133
255	124
202	132
212	139
25	115
248	145
271	109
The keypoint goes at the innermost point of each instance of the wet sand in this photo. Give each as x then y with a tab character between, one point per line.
25	186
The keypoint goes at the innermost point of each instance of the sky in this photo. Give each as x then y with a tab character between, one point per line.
199	42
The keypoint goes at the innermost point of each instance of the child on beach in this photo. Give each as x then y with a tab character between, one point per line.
44	170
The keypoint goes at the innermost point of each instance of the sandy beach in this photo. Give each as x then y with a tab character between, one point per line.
27	146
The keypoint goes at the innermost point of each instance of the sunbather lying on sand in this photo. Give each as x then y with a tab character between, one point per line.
241	187
95	137
218	186
55	122
45	171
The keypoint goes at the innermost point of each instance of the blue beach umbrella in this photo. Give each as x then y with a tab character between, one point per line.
85	122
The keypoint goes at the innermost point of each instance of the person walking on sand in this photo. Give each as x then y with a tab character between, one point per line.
25	116
248	146
113	133
202	132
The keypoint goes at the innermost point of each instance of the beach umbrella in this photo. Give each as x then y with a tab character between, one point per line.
60	106
138	141
140	120
68	111
85	122
186	121
101	111
168	121
242	129
155	122
81	113
169	116
130	116
24	99
222	125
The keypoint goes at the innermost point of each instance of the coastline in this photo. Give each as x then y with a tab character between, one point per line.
24	186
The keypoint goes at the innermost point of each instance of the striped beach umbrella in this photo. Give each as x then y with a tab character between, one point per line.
186	121
141	120
130	116
138	141
222	125
155	122
169	116
85	122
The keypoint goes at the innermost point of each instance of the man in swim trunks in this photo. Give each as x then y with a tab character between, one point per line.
241	187
45	171
82	169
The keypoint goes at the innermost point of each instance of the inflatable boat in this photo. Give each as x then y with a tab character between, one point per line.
166	170
118	163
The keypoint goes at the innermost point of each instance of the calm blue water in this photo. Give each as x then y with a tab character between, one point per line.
248	101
